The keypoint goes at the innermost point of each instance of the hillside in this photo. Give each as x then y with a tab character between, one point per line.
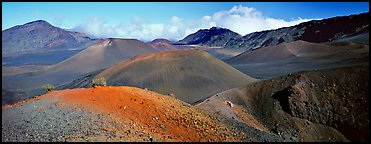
285	58
117	114
214	36
162	45
189	75
321	105
316	31
101	55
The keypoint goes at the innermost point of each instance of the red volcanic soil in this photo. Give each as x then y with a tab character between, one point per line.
162	117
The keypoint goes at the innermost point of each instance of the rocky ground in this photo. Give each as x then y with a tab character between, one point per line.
321	105
118	114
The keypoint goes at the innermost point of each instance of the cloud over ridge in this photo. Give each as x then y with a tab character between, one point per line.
240	19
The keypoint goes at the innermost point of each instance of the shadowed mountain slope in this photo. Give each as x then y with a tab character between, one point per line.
214	36
321	105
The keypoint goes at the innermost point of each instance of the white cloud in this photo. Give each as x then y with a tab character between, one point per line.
240	19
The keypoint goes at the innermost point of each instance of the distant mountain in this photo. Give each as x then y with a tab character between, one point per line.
214	36
162	45
317	31
191	75
161	40
307	103
40	37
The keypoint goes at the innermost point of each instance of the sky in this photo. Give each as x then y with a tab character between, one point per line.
172	20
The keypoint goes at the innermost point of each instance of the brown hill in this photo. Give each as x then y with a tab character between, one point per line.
161	40
294	49
273	61
321	105
162	46
113	114
190	75
104	54
94	58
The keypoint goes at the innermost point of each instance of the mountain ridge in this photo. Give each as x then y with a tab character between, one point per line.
325	30
39	37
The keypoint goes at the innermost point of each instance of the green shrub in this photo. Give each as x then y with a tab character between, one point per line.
98	82
48	87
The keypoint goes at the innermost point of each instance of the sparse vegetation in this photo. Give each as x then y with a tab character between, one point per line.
99	82
48	87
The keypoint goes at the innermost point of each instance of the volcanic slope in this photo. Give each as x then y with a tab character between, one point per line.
321	105
189	75
273	61
117	114
94	58
104	54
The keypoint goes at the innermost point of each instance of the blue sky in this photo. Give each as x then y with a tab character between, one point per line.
172	20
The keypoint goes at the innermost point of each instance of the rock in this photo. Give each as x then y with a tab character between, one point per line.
229	103
312	85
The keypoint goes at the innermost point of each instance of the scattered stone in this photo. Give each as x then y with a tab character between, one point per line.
229	103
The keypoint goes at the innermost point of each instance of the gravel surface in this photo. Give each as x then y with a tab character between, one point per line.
249	133
321	105
99	114
47	120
